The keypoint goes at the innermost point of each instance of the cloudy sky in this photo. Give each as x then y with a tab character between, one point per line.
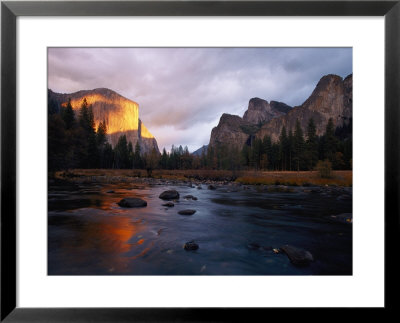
182	92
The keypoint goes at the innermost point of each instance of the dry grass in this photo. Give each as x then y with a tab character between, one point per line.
339	178
216	175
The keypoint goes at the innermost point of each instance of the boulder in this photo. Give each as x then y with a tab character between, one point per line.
132	202
169	195
187	212
297	256
168	204
191	245
211	187
190	197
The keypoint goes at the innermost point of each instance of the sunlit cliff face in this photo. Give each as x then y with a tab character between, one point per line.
120	114
144	132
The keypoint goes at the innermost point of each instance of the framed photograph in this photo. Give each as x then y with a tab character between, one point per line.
193	160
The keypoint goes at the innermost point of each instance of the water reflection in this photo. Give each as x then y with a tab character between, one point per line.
93	238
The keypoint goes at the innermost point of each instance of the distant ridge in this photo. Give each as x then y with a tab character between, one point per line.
199	151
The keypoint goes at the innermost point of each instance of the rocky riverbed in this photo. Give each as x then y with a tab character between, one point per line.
119	226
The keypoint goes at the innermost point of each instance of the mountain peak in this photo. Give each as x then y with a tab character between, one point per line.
331	98
260	111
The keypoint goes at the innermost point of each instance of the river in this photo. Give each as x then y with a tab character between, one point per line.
237	228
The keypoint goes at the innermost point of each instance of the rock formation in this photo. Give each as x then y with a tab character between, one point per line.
260	111
120	114
232	131
332	98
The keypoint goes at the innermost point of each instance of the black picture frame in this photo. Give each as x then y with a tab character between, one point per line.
10	10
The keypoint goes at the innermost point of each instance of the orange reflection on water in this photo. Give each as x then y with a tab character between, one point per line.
142	253
103	240
104	235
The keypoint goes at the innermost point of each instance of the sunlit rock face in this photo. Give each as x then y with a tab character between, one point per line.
120	114
331	98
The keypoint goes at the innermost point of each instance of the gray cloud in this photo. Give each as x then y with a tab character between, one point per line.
182	92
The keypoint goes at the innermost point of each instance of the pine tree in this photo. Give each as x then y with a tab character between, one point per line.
101	140
57	139
330	142
267	144
275	157
52	106
290	151
137	158
283	148
299	146
68	115
84	115
121	154
256	153
311	145
164	159
130	155
245	155
108	156
91	124
93	152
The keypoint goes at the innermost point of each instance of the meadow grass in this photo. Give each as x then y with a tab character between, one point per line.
302	178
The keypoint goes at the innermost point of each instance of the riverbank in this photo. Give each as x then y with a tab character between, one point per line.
302	178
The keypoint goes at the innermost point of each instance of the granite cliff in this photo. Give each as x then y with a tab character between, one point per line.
120	114
331	98
260	111
232	130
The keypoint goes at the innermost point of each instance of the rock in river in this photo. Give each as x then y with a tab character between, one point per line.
169	195
297	256
190	197
168	204
187	212
132	202
191	245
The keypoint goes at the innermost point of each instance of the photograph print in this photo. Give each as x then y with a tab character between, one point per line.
200	161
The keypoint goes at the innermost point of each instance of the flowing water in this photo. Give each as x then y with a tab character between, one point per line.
236	228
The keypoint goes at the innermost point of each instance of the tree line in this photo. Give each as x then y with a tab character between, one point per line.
75	142
294	151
